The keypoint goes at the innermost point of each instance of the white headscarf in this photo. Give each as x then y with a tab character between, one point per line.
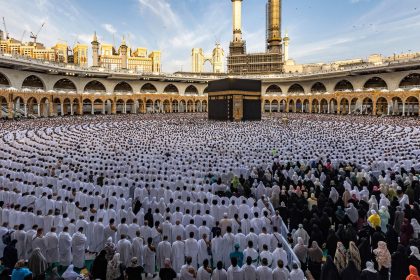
70	274
415	252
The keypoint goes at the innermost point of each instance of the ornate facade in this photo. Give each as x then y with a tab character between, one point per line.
48	90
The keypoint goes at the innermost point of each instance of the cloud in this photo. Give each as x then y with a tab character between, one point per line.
110	28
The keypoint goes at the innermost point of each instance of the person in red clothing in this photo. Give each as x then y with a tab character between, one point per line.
413	274
406	232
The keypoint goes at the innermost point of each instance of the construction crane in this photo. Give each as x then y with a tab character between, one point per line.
35	36
6	34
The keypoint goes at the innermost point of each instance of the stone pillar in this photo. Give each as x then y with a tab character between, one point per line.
62	108
349	107
374	108
403	112
71	108
319	108
328	107
39	109
113	108
389	109
170	106
125	107
10	109
104	108
25	108
92	108
51	108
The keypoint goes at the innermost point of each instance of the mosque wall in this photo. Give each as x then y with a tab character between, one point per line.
395	93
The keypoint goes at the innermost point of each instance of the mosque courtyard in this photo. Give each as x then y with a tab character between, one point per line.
160	188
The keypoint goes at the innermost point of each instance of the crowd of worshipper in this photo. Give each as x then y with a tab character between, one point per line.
181	197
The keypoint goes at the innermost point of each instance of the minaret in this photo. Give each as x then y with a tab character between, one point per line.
274	26
218	58
95	51
237	46
123	54
286	47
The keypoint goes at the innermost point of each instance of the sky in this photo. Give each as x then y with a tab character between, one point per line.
319	30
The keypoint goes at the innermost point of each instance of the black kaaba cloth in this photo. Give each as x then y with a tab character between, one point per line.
234	100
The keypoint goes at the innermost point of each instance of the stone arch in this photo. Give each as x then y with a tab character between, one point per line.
299	106
171	89
64	85
123	87
20	110
292	107
149	106
98	106
381	106
130	106
158	106
333	106
324	106
190	106
175	106
33	82
4	81
148	88
87	108
411	107
108	106
397	106
44	107
410	81
305	106
67	104
375	83
76	106
166	106
315	106
182	106
267	106
191	90
318	87
282	106
367	106
119	106
273	89
296	88
344	85
274	106
4	108
344	106
57	107
198	106
94	86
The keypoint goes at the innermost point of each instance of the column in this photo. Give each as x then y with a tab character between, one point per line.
349	107
125	107
329	104
62	108
71	108
10	109
104	108
403	112
374	108
39	109
170	106
389	109
25	108
319	108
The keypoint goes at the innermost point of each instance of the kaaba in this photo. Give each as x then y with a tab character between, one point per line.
234	100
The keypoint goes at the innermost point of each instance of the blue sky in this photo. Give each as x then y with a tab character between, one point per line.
320	30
